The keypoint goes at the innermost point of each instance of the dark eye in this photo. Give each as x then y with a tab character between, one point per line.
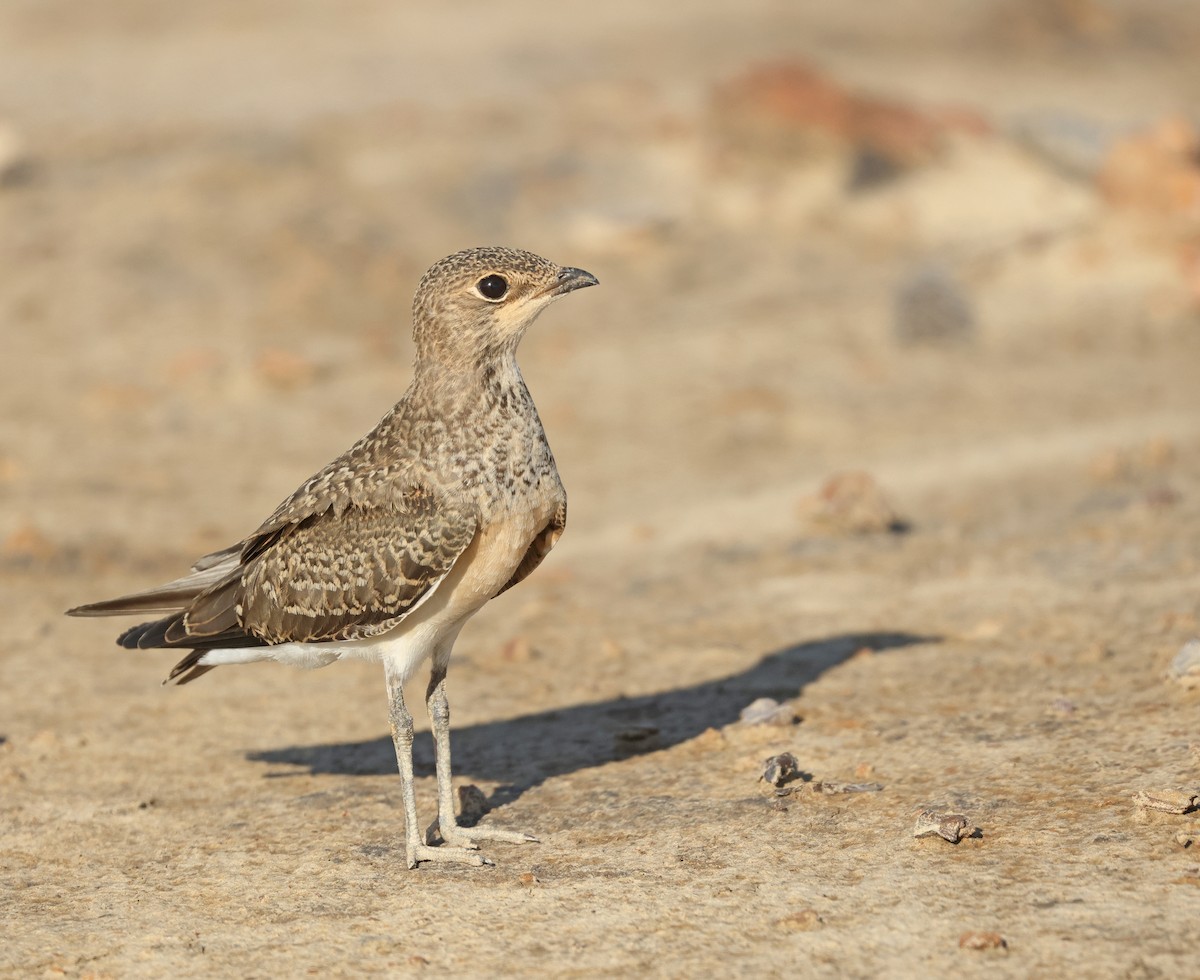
492	287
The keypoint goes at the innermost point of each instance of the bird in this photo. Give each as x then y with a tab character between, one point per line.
385	553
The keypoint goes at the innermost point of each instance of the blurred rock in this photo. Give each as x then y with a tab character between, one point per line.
1160	497
786	110
951	827
872	169
1157	452
806	920
932	307
984	629
472	805
767	711
1157	170
852	503
611	649
1041	24
786	143
793	111
1124	463
11	469
282	368
16	166
1189	265
1073	145
1176	801
981	197
28	542
1185	667
780	769
195	363
981	941
518	650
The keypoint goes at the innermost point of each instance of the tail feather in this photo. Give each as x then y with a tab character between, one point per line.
169	598
199	613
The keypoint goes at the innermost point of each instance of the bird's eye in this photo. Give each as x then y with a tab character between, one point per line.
492	287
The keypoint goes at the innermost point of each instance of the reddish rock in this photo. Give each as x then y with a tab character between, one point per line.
793	107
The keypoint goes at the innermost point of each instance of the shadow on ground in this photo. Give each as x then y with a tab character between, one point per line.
530	749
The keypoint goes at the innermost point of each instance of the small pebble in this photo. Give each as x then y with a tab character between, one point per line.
852	502
767	711
611	648
472	804
635	740
935	823
1185	668
1166	800
517	650
15	163
932	307
779	769
29	543
830	788
281	368
806	920
981	940
1074	145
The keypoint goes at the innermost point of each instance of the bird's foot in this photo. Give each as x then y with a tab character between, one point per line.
446	854
468	837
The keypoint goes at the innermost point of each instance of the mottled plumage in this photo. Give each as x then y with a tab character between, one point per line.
386	552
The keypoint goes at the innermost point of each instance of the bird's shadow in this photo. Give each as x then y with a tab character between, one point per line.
529	749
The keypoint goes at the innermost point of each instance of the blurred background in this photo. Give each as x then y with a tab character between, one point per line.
898	330
826	237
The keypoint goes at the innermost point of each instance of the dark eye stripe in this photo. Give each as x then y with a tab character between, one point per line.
492	287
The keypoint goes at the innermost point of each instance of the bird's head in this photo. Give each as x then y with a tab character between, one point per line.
475	305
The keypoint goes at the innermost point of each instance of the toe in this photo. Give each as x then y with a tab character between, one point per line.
446	854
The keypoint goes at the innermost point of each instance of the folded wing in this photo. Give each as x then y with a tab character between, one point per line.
335	574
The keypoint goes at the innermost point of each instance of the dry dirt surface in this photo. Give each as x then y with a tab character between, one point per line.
887	409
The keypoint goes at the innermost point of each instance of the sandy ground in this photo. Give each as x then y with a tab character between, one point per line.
211	222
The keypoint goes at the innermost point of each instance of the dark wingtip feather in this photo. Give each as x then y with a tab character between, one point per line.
188	669
129	638
146	636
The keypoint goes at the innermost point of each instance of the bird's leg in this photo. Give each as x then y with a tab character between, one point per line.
401	721
447	823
